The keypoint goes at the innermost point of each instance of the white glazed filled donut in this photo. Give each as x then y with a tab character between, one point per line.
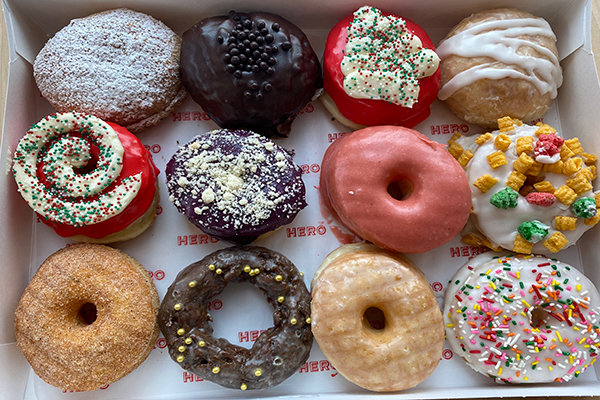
523	319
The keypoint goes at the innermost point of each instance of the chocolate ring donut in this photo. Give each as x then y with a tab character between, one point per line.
277	353
255	71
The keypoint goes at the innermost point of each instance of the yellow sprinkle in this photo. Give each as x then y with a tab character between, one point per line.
578	287
212	267
554	340
526	303
492	285
181	349
534	363
177	307
489	270
523	314
576	328
550	368
280	299
506	301
308	320
477	287
201	343
526	257
180	331
216	370
518	356
558	336
450	325
518	274
537	350
525	378
499	262
279	278
258	372
570	359
244	386
593	361
180	358
581	341
500	371
247	269
188	340
219	271
293	321
192	284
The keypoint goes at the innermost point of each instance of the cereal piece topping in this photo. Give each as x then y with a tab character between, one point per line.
525	144
565	195
533	231
540	199
455	150
589	158
455	137
523	163
505	124
585	207
534	169
521	245
505	199
545	129
502	142
465	157
572	165
556	242
497	159
555	168
485	182
574	145
481	139
592	221
565	223
544	186
515	180
471	240
579	184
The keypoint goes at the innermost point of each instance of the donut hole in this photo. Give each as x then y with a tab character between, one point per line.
88	313
539	317
400	189
374	319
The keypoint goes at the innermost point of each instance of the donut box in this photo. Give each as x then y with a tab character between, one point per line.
240	312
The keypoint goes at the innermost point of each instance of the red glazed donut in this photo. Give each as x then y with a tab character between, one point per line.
395	188
367	112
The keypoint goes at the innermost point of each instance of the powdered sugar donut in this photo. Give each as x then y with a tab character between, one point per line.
531	188
523	319
119	65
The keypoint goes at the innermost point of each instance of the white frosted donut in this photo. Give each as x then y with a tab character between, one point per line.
523	319
376	318
528	174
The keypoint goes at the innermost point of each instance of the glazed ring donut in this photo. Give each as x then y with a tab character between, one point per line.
379	180
523	319
119	65
87	318
277	353
532	189
357	60
235	185
376	318
89	180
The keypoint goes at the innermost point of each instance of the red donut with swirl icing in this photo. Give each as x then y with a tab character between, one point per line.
393	73
393	187
89	180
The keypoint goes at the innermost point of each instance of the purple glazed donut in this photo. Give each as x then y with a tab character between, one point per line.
235	185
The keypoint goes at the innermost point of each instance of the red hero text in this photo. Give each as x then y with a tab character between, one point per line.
303	231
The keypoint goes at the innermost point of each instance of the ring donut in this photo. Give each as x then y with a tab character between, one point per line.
360	284
523	318
379	181
277	353
87	318
87	179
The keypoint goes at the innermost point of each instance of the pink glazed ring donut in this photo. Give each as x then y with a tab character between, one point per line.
394	187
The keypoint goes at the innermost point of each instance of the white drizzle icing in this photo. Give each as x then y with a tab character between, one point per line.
500	41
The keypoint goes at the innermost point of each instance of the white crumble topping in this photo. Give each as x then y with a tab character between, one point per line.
269	146
208	196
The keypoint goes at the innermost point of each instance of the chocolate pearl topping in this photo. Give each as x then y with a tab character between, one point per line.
244	71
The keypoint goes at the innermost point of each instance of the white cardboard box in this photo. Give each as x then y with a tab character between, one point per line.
172	243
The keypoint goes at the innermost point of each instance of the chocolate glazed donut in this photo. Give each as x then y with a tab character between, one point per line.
253	71
277	353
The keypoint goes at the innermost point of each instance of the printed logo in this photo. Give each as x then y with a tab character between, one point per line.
308	109
437	286
190	240
215	304
190	116
155	148
249	336
317	366
159	210
312	168
467	251
447	354
449	129
306	231
161	343
188	377
159	275
334	136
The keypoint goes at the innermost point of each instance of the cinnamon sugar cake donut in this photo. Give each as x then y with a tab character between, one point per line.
119	65
89	180
497	63
235	185
532	190
87	318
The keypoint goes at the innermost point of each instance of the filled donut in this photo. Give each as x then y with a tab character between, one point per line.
119	65
532	190
500	62
395	188
277	353
254	71
523	318
87	318
376	318
379	69
235	185
88	180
